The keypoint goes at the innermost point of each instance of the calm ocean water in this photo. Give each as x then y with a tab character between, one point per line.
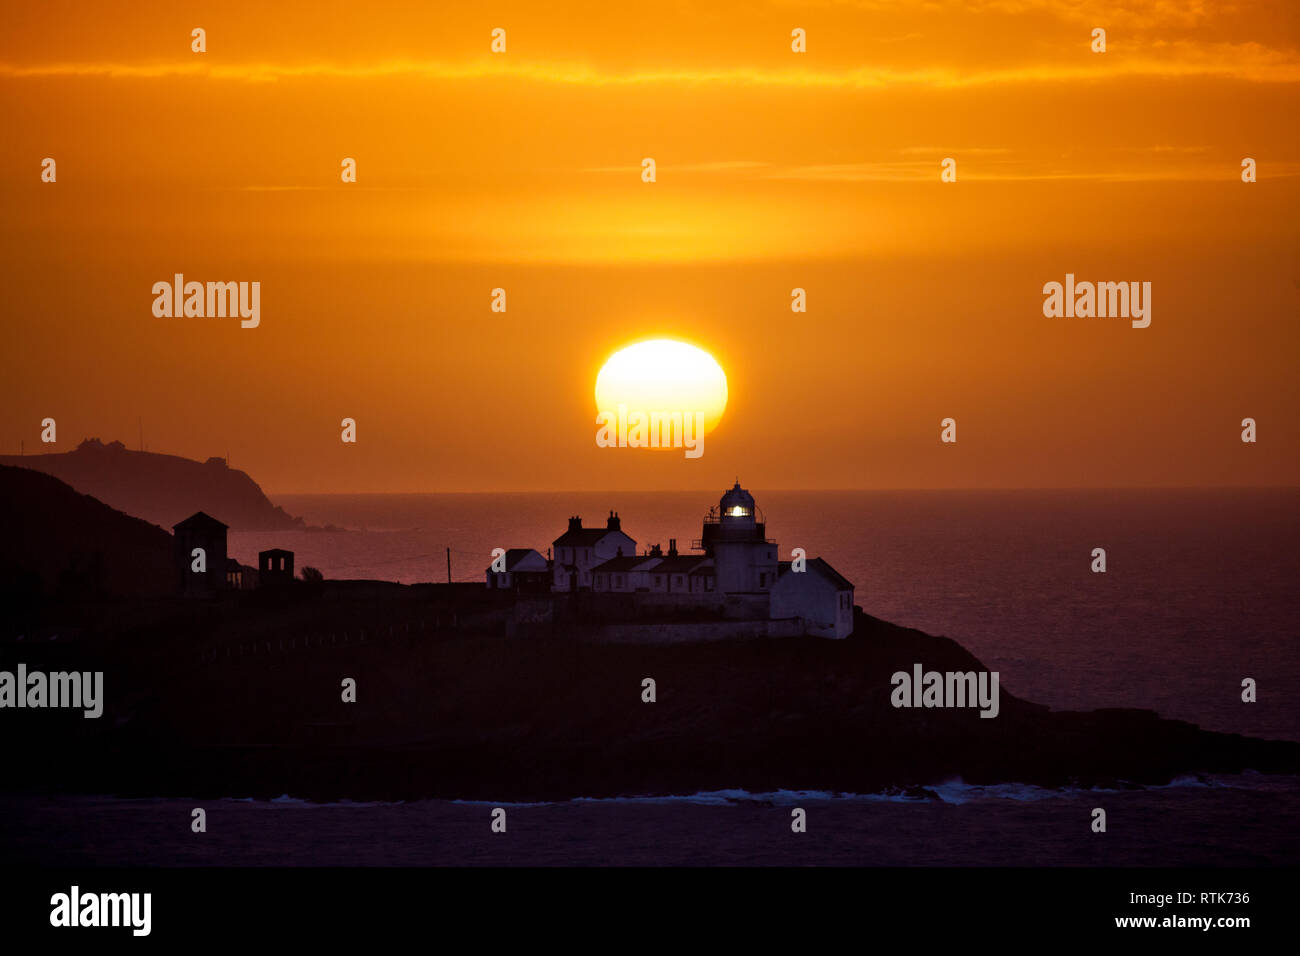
1199	593
1242	820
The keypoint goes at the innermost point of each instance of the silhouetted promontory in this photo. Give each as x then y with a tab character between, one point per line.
241	696
464	691
163	489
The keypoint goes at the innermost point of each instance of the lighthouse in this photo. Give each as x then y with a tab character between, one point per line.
735	537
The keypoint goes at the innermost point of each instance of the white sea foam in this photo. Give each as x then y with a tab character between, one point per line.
955	791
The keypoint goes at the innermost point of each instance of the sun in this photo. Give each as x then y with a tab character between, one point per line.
663	375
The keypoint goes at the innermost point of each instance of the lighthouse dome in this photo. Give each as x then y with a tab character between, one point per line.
737	503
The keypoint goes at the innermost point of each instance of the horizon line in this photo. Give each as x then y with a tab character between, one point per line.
835	490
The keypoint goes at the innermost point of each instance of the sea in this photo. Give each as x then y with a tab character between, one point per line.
1198	595
1240	820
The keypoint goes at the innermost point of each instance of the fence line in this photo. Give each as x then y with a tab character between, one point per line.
312	640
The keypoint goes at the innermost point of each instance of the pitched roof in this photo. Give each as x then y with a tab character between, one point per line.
515	555
822	568
679	564
200	521
623	563
583	537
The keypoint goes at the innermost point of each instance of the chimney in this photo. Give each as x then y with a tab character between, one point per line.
672	547
612	524
656	551
575	523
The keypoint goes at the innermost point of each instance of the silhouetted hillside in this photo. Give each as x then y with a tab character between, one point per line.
57	542
242	697
163	489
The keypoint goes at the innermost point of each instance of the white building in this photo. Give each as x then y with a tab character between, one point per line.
819	595
734	536
681	573
525	569
624	574
580	549
736	568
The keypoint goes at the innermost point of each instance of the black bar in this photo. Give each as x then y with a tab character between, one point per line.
668	907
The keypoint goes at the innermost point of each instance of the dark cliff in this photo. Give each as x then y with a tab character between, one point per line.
58	543
163	489
243	697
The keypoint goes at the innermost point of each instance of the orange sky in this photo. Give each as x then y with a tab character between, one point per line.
775	170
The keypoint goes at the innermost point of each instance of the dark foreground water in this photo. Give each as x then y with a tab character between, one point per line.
1228	821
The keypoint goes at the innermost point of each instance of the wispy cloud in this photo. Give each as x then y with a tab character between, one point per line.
951	150
1250	61
724	166
1129	13
1023	170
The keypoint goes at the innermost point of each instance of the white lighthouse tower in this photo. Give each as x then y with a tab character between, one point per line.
734	536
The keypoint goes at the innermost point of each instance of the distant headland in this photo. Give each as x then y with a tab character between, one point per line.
162	489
